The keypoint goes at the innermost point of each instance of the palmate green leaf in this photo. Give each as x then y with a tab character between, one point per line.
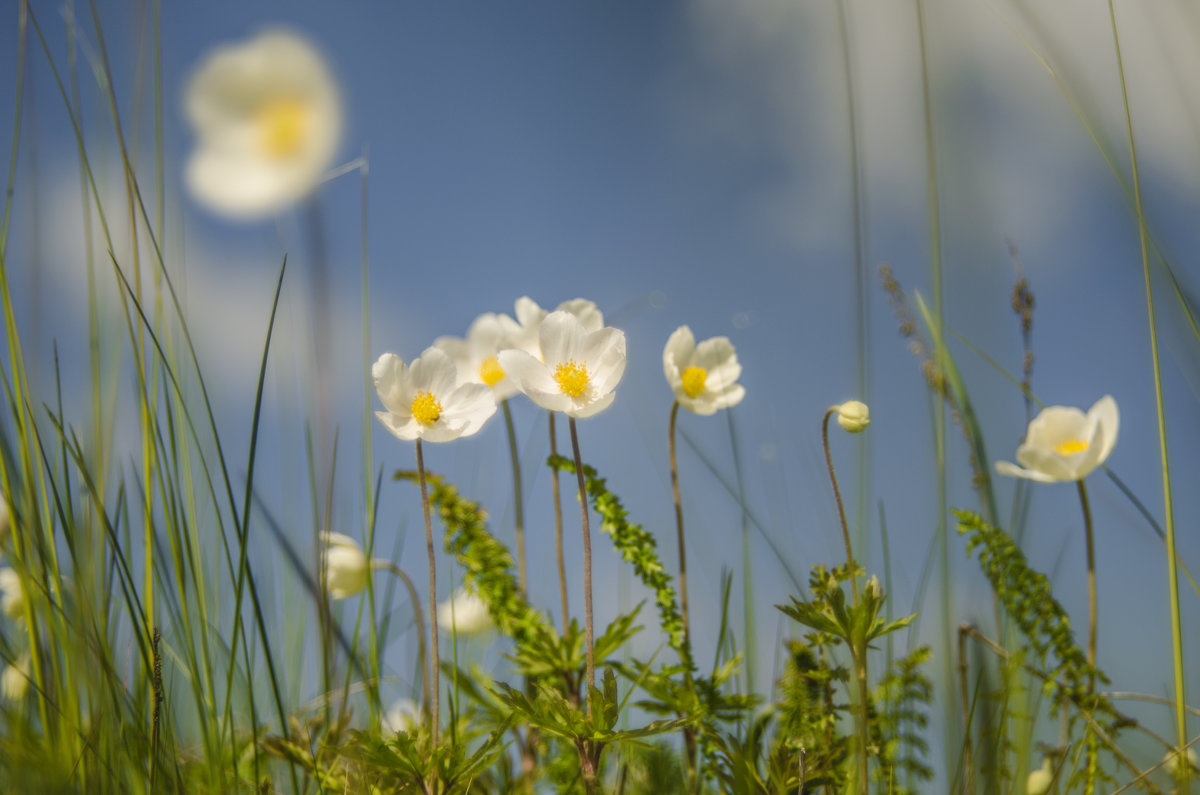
814	616
620	630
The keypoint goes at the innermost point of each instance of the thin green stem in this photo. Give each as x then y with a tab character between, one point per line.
519	502
683	592
558	527
1181	729
422	652
1092	749
689	737
837	495
589	634
437	693
858	651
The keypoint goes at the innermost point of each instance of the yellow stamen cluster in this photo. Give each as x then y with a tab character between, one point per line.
425	408
490	371
282	125
693	381
572	378
1071	446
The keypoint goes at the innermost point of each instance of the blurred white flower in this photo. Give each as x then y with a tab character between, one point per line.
464	612
524	332
268	120
854	416
14	681
475	356
12	598
579	370
703	377
1062	443
424	400
403	716
345	565
1171	762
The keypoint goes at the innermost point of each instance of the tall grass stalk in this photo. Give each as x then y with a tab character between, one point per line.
1181	730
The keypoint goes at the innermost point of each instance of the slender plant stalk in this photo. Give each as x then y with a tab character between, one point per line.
519	502
589	635
1092	749
683	592
432	594
422	653
857	651
1181	729
558	527
689	735
837	495
963	694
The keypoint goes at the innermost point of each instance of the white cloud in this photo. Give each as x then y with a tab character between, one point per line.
1007	141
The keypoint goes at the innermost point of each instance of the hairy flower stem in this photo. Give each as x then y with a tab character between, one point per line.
437	663
422	653
837	496
689	734
519	501
589	635
558	527
683	593
858	651
1092	626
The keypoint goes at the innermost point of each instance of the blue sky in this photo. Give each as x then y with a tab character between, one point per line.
688	163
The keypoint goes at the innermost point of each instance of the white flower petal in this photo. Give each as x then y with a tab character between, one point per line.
393	384
677	353
1012	470
561	337
585	311
591	408
405	428
1104	412
434	372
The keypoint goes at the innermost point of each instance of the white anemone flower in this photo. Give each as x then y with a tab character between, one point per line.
424	400
704	377
524	332
14	680
1064	444
403	716
464	612
345	565
268	120
12	598
579	370
475	356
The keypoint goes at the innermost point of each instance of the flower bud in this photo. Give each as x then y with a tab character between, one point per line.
854	416
1039	781
873	589
345	566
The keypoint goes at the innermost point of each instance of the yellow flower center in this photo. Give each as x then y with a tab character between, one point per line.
282	124
425	408
572	378
693	381
490	371
1071	446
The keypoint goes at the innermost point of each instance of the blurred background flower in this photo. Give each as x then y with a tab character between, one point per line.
267	119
